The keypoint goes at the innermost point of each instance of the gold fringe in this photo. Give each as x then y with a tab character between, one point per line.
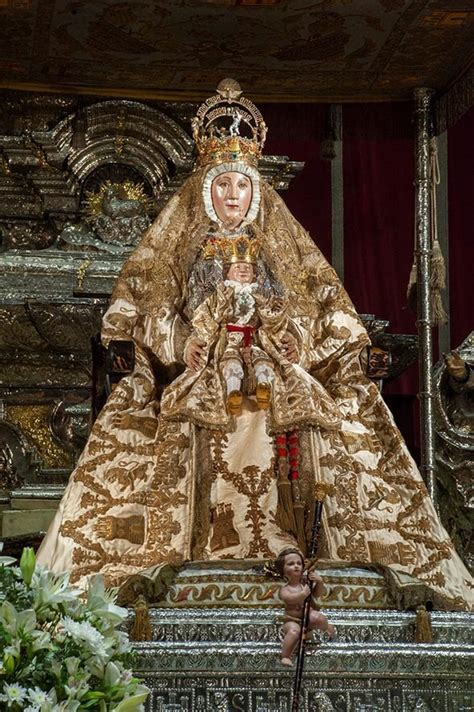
298	508
285	515
141	628
437	282
423	631
439	314
438	267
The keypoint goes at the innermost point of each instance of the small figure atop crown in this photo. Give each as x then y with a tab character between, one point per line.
220	123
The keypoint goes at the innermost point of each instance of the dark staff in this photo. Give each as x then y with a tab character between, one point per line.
319	496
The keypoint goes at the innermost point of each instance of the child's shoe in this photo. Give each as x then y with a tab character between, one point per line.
234	402
263	393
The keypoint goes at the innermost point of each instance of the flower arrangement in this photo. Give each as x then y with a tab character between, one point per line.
60	649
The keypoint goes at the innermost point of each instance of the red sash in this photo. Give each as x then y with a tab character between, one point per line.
247	331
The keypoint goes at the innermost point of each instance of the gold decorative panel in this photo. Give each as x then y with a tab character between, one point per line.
33	421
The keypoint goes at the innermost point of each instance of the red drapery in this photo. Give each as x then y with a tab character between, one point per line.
379	215
461	237
294	130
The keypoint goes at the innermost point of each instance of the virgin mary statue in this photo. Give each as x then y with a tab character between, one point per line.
152	488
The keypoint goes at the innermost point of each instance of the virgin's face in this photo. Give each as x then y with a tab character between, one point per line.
231	195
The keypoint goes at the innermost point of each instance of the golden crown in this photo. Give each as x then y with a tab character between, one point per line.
232	250
220	124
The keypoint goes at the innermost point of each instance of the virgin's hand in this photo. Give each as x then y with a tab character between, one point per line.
276	304
314	577
456	366
194	356
289	349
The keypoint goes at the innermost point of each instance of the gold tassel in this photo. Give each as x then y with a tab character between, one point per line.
141	628
438	282
285	516
285	512
439	314
423	631
300	527
438	267
437	263
298	508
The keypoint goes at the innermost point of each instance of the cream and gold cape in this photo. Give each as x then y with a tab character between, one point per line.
148	491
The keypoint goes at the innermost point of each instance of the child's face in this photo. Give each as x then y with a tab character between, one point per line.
293	566
241	272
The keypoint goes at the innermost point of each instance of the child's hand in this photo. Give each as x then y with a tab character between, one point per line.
314	577
275	304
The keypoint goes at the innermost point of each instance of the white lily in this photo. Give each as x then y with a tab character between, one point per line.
59	621
72	666
41	640
50	589
5	560
8	617
26	620
112	674
122	643
102	602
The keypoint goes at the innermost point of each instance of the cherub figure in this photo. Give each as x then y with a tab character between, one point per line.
290	565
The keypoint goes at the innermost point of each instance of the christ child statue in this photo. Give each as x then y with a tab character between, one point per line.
249	312
290	564
240	330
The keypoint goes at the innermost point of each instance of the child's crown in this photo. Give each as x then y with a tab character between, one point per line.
232	250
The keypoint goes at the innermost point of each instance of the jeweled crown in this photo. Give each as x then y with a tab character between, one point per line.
221	123
232	250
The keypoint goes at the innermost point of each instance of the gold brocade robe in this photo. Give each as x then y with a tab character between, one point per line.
298	399
148	491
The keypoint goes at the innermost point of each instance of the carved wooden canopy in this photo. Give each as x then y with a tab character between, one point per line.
279	50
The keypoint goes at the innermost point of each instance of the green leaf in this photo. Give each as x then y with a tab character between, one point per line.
26	621
131	703
94	695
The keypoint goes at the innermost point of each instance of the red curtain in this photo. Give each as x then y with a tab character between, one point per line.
294	130
461	237
379	214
